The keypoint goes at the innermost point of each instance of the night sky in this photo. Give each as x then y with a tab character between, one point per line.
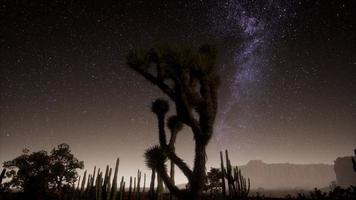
288	71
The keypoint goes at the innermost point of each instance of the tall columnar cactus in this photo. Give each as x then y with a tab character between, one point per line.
105	183
191	81
130	189
238	187
144	183
108	188
222	175
87	189
98	186
114	181
82	188
134	188
122	189
138	190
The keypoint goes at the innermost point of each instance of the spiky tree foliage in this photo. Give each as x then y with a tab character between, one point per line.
155	160
190	80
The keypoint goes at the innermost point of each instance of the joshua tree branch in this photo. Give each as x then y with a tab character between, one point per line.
179	162
162	132
168	182
165	88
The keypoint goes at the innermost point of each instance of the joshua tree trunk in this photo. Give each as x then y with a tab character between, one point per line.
152	185
199	171
172	177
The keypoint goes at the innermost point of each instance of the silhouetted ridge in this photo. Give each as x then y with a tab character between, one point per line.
286	175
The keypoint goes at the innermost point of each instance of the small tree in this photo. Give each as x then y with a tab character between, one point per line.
63	167
191	81
213	180
30	173
38	173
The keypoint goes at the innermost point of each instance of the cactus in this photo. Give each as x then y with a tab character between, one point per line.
105	183
82	188
144	187
130	188
108	186
122	188
134	188
239	188
87	189
114	181
144	183
99	186
137	195
222	175
77	189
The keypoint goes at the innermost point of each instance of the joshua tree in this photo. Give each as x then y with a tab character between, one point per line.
190	80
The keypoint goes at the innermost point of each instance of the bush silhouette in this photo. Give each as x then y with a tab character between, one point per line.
40	175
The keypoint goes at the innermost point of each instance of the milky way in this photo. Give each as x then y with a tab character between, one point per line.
256	24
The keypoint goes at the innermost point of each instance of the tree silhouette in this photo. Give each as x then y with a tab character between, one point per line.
190	80
63	167
29	172
213	180
38	173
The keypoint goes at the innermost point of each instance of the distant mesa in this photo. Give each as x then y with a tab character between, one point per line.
345	176
288	176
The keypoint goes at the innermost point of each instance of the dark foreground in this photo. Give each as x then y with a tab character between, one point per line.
335	194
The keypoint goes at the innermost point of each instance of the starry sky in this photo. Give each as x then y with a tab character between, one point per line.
288	71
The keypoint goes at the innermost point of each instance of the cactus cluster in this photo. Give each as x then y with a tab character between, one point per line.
237	186
98	186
